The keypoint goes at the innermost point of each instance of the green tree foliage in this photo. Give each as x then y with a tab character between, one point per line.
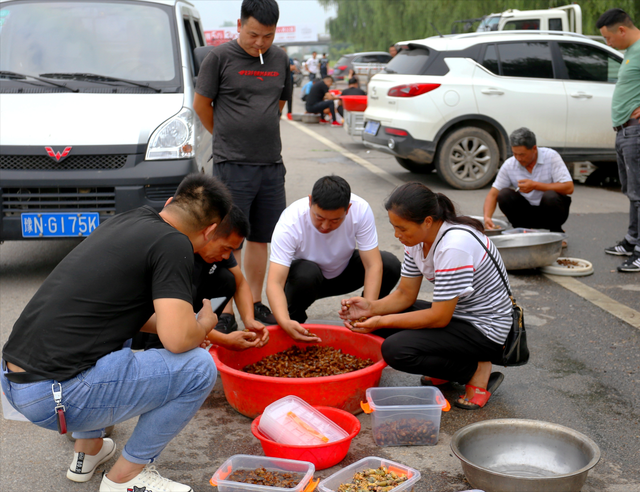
377	24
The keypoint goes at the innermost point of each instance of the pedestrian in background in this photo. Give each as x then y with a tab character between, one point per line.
313	66
324	65
293	69
620	33
248	97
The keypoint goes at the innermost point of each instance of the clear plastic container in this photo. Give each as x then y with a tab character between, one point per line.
406	416
331	483
291	420
249	462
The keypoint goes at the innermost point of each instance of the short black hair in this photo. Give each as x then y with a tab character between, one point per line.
235	221
522	137
612	18
202	199
266	12
353	80
328	77
331	193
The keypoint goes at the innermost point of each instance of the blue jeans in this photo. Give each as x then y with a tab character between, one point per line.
628	153
163	388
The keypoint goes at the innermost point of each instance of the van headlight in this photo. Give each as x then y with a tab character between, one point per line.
174	139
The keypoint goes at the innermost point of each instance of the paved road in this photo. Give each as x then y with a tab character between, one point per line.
584	371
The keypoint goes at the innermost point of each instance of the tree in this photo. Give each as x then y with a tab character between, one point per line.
377	24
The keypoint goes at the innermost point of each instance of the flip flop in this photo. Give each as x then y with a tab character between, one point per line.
428	381
481	396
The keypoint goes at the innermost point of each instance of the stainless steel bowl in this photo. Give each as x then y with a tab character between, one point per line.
528	250
502	225
518	455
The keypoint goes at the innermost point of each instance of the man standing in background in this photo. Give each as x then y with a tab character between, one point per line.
248	84
313	66
620	33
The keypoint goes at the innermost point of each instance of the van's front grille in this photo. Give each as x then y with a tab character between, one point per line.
160	193
73	162
19	200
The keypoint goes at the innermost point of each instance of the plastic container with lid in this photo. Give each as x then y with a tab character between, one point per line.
405	416
344	476
291	420
249	462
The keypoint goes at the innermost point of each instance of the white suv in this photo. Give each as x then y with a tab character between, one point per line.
451	102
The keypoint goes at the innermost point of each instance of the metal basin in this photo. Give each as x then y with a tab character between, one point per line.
518	455
502	225
528	250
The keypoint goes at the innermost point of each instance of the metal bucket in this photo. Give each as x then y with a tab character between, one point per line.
528	250
518	455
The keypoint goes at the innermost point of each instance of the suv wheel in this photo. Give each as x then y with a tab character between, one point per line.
468	158
415	167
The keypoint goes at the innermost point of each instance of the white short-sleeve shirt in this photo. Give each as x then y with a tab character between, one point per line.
458	266
550	168
295	237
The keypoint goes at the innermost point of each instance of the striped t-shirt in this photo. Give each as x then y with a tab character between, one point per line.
460	267
549	168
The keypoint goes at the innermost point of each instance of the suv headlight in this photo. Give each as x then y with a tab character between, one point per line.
174	139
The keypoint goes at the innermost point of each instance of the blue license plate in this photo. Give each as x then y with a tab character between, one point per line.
372	127
59	225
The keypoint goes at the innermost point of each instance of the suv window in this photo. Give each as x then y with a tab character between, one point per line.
529	59
490	61
368	59
408	61
383	58
522	25
585	62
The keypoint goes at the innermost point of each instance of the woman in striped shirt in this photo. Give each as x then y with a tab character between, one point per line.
459	334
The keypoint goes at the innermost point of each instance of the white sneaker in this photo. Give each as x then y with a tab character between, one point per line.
83	465
149	480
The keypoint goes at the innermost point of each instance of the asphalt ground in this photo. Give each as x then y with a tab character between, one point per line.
584	371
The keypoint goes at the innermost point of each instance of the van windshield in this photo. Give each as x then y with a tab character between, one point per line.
132	41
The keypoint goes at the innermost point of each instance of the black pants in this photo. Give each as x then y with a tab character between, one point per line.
451	353
221	283
552	212
306	284
319	107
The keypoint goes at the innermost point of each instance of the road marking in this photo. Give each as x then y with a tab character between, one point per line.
625	313
594	296
355	158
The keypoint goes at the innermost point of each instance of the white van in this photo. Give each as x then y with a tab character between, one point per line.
96	112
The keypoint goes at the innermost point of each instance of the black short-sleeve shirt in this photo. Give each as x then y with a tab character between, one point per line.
316	93
246	96
101	294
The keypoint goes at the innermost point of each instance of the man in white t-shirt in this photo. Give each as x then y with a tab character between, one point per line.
532	187
314	254
313	66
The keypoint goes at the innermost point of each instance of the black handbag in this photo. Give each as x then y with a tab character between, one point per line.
515	351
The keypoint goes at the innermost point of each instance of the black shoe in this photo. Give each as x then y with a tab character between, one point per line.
263	314
632	264
623	248
227	323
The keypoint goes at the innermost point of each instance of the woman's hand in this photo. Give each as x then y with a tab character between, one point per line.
366	326
259	329
299	332
355	308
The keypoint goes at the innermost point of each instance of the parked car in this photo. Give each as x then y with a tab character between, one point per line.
451	102
96	111
366	63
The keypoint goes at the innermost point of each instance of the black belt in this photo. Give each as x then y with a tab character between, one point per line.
22	377
631	122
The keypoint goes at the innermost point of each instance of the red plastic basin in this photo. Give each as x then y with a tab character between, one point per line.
354	103
250	394
323	455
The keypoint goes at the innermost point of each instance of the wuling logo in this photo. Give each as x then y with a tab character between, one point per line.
57	155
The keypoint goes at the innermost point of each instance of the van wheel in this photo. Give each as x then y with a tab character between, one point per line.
415	167
468	158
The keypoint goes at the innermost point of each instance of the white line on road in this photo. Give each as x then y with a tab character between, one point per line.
355	158
594	296
625	313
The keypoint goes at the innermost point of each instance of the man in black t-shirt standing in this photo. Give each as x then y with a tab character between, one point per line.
319	98
248	82
65	353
